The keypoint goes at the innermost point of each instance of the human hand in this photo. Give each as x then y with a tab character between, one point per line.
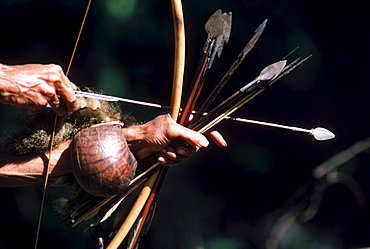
32	86
157	135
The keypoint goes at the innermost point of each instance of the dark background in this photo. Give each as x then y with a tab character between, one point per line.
238	197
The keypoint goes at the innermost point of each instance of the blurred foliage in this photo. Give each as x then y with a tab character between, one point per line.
221	243
120	9
221	198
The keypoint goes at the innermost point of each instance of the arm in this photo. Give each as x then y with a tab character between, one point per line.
32	86
23	170
155	135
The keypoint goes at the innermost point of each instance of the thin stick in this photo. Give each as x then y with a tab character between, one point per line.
338	159
54	129
174	111
179	65
90	206
112	98
132	216
239	98
51	144
78	37
218	28
267	76
318	133
158	177
231	70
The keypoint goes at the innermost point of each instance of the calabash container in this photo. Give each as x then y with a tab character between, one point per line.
102	161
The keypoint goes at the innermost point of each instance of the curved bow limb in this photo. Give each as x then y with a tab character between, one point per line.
179	66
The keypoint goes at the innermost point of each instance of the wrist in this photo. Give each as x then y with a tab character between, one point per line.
135	137
135	133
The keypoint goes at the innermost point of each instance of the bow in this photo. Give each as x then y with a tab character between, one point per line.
148	188
143	204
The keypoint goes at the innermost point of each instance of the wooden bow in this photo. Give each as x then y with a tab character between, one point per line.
178	76
139	212
179	65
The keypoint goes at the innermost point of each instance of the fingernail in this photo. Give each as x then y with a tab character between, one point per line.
181	151
161	159
203	142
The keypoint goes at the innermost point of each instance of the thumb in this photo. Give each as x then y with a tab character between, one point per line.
190	136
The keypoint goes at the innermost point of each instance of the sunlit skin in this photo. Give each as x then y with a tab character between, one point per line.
157	134
32	86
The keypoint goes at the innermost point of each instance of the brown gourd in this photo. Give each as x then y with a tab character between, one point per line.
102	161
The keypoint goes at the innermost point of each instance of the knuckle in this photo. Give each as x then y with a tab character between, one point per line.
55	68
55	74
39	103
70	99
48	92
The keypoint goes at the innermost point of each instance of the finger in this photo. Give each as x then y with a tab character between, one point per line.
57	106
74	87
169	152
173	154
169	157
166	161
217	138
63	86
186	151
190	136
66	92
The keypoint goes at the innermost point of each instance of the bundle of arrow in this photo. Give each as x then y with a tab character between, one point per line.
136	219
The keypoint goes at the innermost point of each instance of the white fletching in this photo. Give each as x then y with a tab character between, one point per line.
321	134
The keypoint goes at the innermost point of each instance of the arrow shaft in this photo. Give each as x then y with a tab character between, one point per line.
250	121
154	105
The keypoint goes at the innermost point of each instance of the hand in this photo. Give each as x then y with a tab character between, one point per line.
171	156
32	86
156	135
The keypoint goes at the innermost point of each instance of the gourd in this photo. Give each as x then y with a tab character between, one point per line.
102	161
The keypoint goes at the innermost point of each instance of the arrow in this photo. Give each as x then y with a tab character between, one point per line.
318	133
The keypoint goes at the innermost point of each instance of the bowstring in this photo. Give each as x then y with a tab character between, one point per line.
51	144
78	37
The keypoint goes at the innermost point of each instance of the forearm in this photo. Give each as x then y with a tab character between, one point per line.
142	140
7	88
24	170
